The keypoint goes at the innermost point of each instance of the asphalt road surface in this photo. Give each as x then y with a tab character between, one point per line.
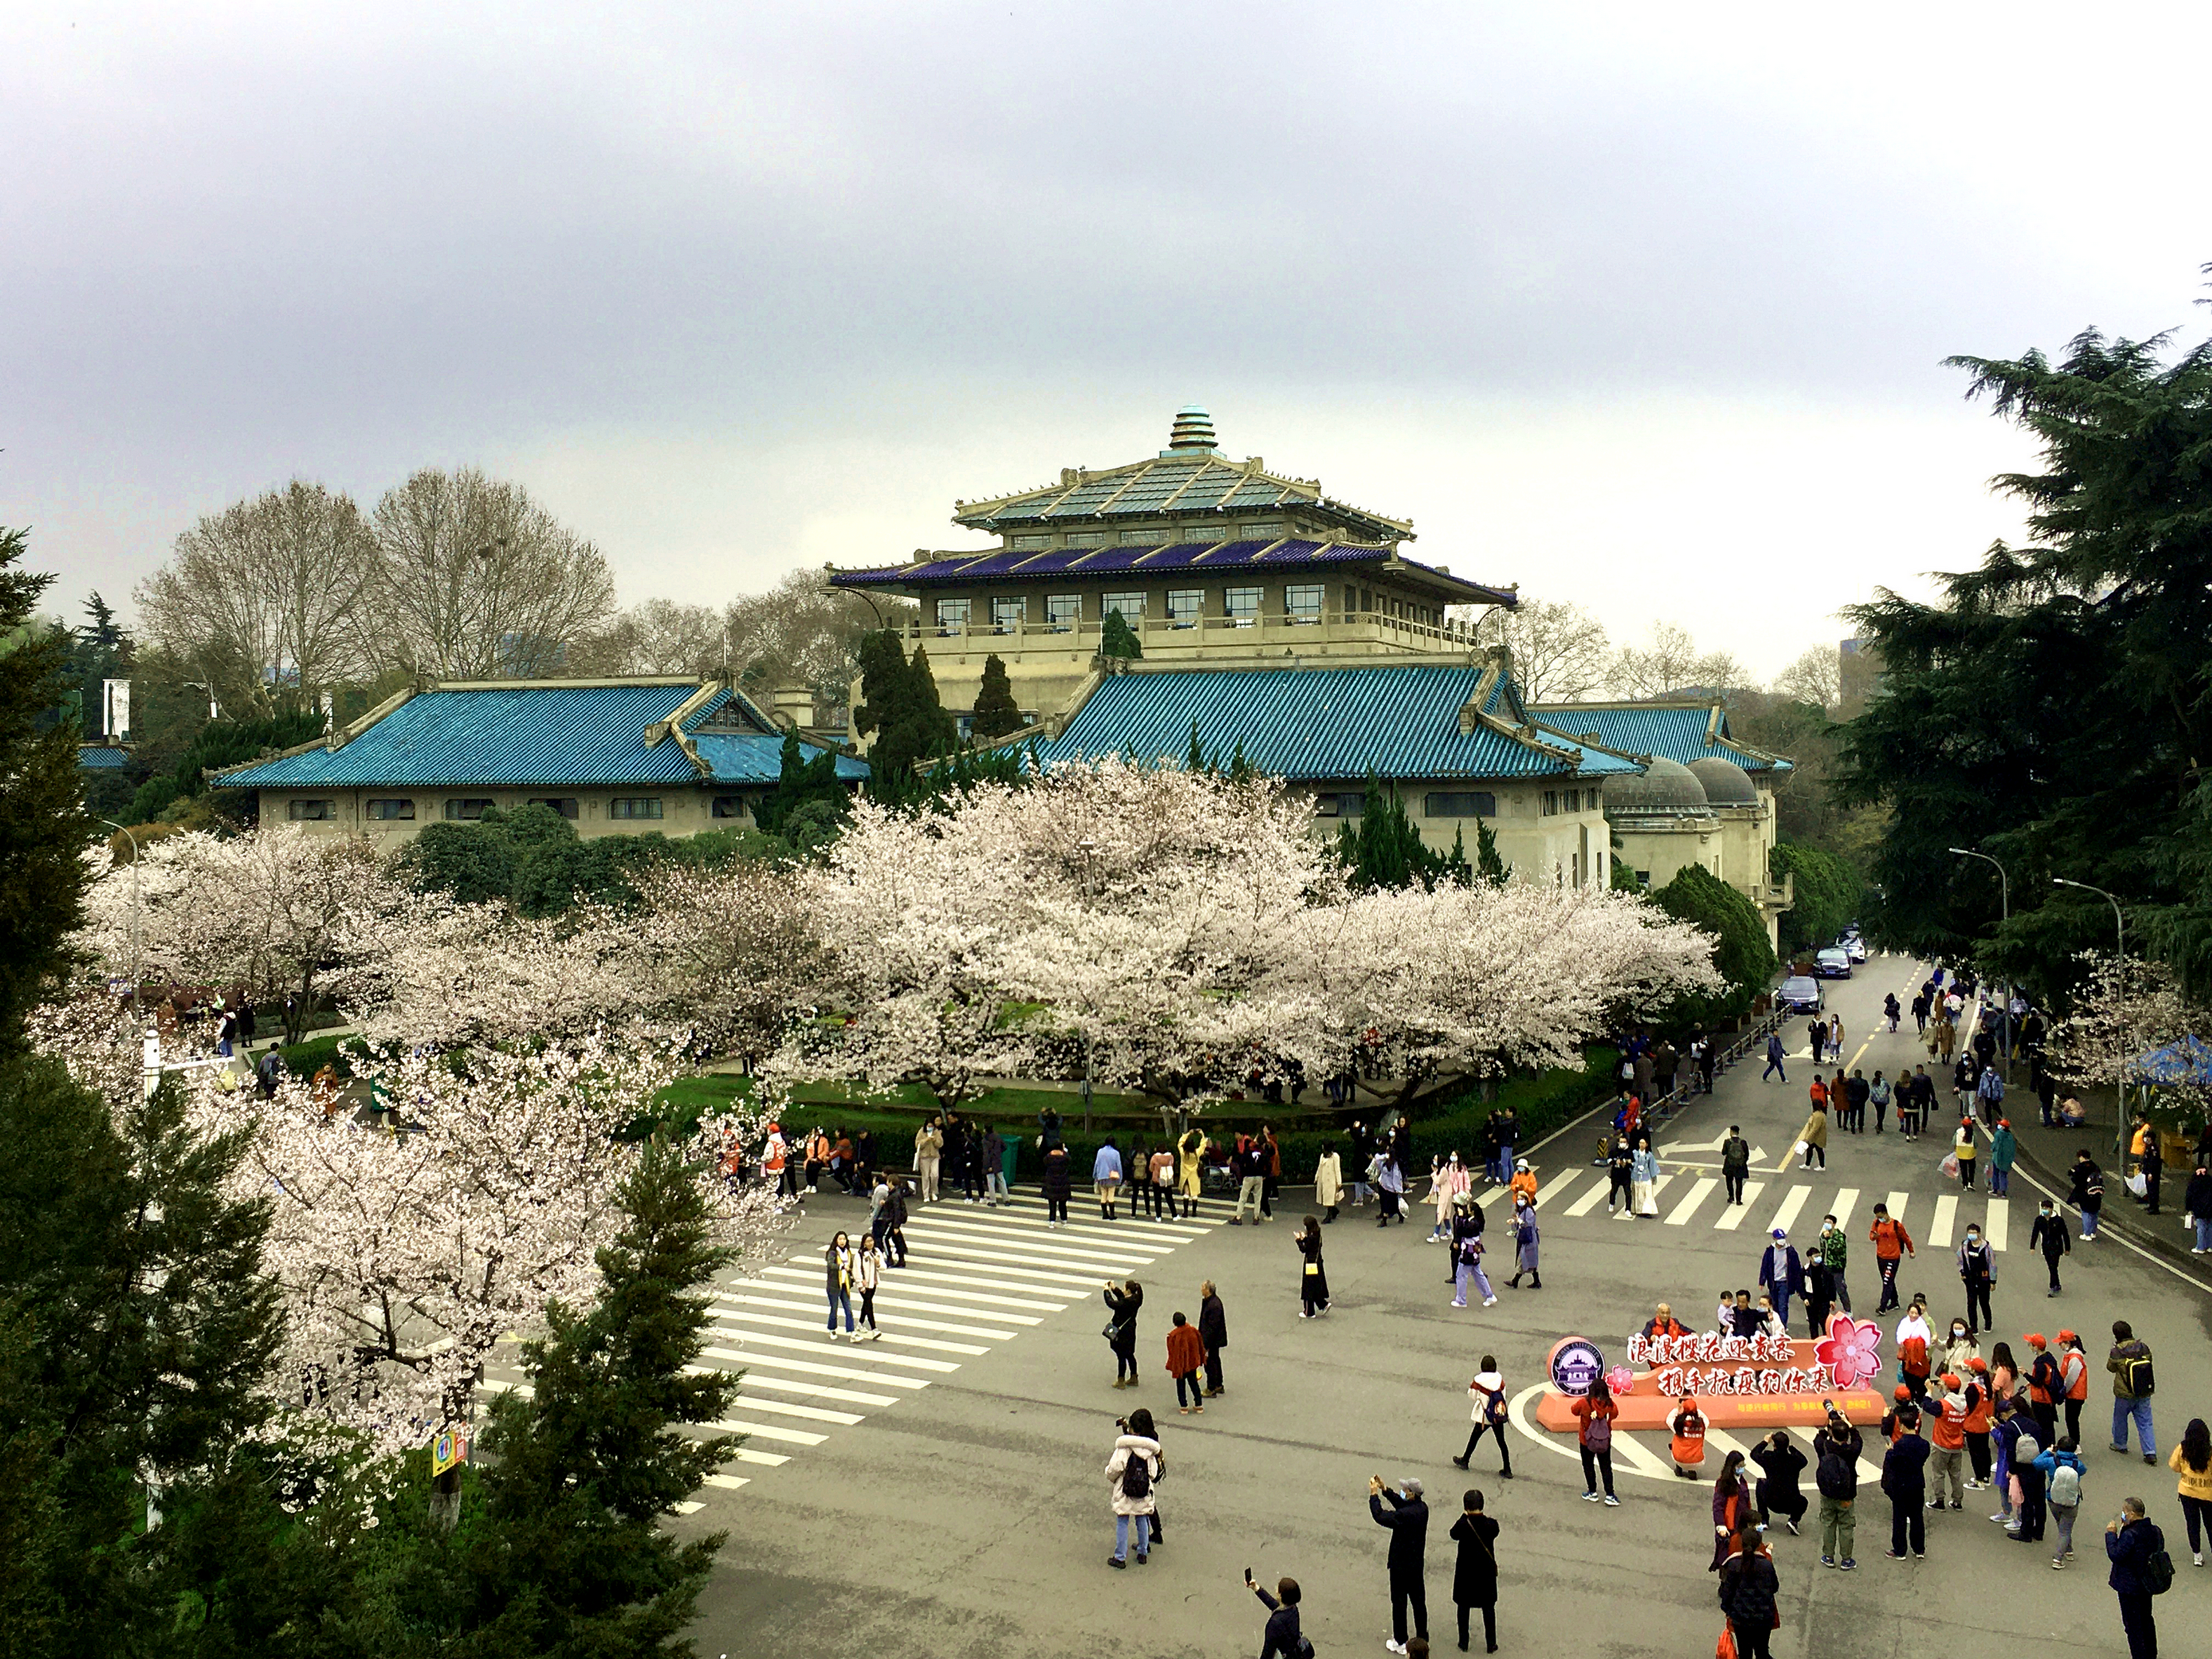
939	1492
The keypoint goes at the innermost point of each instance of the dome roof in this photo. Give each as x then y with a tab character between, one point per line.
1664	786
1726	783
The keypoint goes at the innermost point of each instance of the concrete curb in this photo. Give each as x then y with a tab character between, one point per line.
2131	1225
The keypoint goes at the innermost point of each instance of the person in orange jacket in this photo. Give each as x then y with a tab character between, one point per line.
1892	1244
1524	1181
1186	1359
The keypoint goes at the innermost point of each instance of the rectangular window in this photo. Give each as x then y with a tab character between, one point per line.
1302	603
1031	543
1460	804
390	811
729	806
1551	802
1351	806
645	806
1574	800
1259	532
1140	538
1185	608
1129	605
1063	610
953	613
1008	615
1242	605
1086	538
567	806
313	812
467	812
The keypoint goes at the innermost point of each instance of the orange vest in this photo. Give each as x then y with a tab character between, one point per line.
1951	1426
1977	1414
2075	1371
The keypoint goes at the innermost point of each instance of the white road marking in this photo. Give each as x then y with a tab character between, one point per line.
1996	1229
1939	1230
1791	1203
1591	1199
1699	1194
1731	1216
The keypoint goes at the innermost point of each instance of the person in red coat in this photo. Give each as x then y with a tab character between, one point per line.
1186	1359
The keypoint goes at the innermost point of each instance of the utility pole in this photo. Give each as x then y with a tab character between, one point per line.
2004	902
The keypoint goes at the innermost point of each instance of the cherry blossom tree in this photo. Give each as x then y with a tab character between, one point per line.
2123	1008
732	956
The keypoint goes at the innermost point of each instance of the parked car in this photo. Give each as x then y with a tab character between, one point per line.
1832	964
1852	946
1800	993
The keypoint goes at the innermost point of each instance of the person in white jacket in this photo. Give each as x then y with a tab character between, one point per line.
867	1275
1328	1181
1133	1473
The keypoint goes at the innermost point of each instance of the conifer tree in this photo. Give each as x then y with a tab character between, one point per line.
1488	862
1117	640
995	714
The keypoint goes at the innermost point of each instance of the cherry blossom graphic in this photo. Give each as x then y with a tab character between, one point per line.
1620	1381
1849	1349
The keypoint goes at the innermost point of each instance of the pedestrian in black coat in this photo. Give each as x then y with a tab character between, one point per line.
1904	1480
1474	1576
1283	1639
1748	1587
1123	1300
2129	1542
1777	1492
1407	1519
1213	1329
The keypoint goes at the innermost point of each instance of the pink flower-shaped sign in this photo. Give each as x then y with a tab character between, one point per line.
1620	1381
1849	1350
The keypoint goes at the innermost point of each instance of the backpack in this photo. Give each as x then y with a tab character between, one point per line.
2065	1485
1136	1477
2137	1376
2158	1572
1838	1476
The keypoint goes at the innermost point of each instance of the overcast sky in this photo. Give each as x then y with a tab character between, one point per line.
1640	307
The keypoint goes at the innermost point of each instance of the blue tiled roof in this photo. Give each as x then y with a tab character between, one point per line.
532	737
1676	731
99	757
1076	563
1313	724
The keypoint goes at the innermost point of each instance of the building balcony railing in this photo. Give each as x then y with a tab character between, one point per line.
1170	634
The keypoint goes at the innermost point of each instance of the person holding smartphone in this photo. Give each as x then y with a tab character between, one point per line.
1283	1639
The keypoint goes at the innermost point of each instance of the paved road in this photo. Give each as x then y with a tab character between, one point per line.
939	1492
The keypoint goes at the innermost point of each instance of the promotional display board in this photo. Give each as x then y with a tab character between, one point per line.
1757	1382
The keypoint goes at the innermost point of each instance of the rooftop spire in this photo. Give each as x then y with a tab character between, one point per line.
1193	430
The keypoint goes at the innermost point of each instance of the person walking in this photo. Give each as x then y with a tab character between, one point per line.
928	1155
1106	1177
2049	1234
2004	1152
868	1278
1812	1139
1161	1194
2086	1191
1313	1281
1836	1449
2045	1390
1736	1163
1781	1273
1214	1331
1749	1589
2074	1371
1132	1474
2130	1541
2132	1382
1594	1413
1946	1460
1732	1510
1774	1057
2062	1487
1892	1244
1122	1302
1962	1149
2197	1204
1185	1357
841	1267
1878	1094
1620	1166
1058	1182
1977	1272
2193	1461
1487	1393
2028	1508
1644	1178
1282	1638
1474	1573
1904	1481
1467	1253
1389	1178
1816	1038
1833	1249
1777	1492
1525	1242
1407	1522
1329	1180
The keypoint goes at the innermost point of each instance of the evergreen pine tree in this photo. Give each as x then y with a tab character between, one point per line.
43	826
1488	864
995	713
1117	640
1195	760
1240	769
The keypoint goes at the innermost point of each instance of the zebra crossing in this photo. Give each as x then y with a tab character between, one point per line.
1685	1199
978	1277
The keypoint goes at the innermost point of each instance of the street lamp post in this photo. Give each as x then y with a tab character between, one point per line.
2118	915
2004	902
2119	1085
137	971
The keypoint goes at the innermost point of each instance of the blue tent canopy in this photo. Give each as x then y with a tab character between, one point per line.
2186	1060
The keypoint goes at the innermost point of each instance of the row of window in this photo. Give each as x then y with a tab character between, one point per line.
1156	536
1302	602
462	809
1568	800
1437	804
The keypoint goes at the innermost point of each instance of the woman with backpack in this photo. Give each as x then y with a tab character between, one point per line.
1594	1413
2062	1492
1132	1473
1488	1391
1313	1281
1749	1589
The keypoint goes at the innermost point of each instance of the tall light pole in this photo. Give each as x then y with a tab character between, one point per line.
2119	1112
2118	915
2004	902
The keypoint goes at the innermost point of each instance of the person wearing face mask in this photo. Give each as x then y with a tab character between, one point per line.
1977	1271
1960	1349
2050	1235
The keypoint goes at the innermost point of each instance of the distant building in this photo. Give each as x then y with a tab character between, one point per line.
1209	561
614	757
